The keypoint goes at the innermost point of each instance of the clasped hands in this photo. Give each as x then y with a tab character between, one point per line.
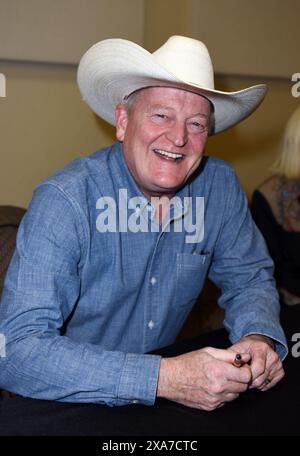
208	378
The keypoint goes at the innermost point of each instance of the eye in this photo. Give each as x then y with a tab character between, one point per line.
198	126
160	118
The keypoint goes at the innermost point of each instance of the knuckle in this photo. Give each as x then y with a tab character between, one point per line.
275	358
214	404
231	396
216	371
209	408
217	388
282	374
216	376
208	350
243	387
258	382
258	374
247	376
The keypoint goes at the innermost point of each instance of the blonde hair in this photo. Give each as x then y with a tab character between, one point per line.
288	161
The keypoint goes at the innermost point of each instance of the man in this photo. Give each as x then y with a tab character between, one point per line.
114	249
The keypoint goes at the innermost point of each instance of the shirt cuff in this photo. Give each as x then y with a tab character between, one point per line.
139	377
280	345
277	337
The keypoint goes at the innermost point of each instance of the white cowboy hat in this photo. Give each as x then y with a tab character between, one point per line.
114	68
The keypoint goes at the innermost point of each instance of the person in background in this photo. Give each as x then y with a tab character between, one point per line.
276	211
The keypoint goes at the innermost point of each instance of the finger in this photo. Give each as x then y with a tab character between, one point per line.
231	397
258	369
264	384
221	405
272	365
274	376
268	385
275	370
208	405
236	387
241	358
228	355
240	375
214	402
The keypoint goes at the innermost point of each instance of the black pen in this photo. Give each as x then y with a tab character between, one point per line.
238	361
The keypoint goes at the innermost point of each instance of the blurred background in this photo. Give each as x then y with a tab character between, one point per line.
44	123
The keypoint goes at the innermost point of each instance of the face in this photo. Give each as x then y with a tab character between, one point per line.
163	137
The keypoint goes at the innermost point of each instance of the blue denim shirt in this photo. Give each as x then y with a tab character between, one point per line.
81	307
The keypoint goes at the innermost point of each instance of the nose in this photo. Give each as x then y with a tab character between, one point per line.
177	134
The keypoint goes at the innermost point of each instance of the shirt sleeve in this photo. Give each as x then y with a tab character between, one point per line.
243	270
42	289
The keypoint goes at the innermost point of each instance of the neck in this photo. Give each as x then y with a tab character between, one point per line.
161	204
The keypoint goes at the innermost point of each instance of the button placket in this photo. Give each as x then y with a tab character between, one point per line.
152	309
151	324
153	280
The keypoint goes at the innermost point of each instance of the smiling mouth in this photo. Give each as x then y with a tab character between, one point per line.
171	156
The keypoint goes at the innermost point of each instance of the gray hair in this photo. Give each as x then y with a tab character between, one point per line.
130	101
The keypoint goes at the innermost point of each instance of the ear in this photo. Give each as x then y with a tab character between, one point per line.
121	121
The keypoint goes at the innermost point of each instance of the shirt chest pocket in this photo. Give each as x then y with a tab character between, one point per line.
191	271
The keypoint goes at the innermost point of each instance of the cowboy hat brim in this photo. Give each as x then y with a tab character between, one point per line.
113	69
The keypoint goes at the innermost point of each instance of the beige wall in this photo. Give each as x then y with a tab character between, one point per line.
257	37
44	123
61	30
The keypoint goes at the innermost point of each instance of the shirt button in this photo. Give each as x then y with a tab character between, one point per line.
135	401
151	324
153	280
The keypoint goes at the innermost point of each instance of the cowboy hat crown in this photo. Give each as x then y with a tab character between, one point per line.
114	68
195	63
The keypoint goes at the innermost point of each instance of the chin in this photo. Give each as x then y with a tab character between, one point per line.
164	189
167	184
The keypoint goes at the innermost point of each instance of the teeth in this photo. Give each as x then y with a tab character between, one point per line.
168	154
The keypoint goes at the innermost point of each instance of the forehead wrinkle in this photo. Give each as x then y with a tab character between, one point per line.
155	99
170	108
